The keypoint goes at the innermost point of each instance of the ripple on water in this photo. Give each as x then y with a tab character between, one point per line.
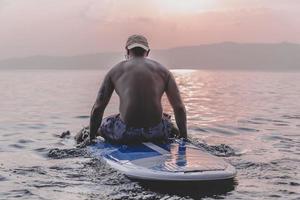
247	129
281	124
239	128
221	130
272	173
37	126
291	116
41	150
59	184
66	153
275	196
217	150
250	122
277	137
82	117
2	178
24	141
200	129
261	119
23	193
17	146
11	134
29	171
294	184
59	123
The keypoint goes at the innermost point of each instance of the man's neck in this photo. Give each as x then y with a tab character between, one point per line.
135	57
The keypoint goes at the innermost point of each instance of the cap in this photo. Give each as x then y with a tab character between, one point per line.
137	41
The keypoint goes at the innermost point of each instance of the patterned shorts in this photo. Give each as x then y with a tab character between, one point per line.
115	130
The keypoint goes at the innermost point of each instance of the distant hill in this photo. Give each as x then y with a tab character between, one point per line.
227	55
90	61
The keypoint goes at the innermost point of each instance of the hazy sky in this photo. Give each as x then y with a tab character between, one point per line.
68	27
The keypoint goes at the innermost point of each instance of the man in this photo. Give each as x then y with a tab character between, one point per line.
140	84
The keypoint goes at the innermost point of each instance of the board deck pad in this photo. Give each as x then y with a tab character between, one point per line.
176	160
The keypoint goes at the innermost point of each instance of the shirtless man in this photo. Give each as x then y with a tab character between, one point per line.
140	84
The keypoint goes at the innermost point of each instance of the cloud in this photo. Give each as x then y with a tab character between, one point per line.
117	11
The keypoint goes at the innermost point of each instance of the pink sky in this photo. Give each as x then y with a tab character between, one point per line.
61	27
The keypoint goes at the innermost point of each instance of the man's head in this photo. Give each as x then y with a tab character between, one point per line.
137	46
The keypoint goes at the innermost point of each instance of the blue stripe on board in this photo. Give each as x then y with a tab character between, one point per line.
135	152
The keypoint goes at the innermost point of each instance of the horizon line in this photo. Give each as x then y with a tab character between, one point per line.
155	49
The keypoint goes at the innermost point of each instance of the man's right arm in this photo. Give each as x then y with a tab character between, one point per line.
102	100
175	100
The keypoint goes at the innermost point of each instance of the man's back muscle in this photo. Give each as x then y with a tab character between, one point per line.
140	84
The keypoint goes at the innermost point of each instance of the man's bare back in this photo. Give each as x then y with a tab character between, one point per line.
140	84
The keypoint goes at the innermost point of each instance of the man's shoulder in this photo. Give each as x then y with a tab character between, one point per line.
160	69
117	68
158	65
154	62
119	65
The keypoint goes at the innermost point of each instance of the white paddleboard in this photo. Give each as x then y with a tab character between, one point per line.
174	161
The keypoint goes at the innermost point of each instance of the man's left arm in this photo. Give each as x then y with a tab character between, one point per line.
102	100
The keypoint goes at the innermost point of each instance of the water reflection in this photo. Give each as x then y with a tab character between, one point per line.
255	113
194	190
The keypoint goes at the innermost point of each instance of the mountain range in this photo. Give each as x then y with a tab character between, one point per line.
226	55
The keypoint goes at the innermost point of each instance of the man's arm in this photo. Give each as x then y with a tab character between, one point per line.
175	100
102	100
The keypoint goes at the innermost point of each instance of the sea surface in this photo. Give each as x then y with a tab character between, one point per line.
251	119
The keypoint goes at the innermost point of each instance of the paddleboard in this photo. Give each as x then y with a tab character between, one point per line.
177	160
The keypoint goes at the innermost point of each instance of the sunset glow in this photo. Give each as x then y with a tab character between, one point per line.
187	7
57	27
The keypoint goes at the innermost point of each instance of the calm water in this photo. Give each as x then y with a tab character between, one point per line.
255	113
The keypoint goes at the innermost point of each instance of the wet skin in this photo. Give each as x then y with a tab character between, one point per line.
140	84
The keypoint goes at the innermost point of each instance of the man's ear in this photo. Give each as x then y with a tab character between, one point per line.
148	52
